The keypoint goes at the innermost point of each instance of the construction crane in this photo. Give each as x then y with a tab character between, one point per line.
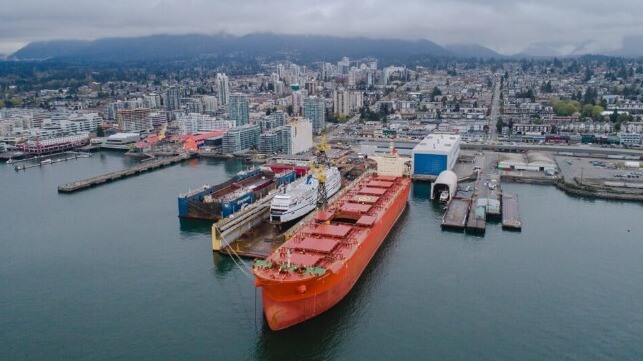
322	148
161	133
319	171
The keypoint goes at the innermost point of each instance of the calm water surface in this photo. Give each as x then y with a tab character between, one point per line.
112	273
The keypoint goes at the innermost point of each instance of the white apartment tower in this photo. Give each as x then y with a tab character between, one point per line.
223	87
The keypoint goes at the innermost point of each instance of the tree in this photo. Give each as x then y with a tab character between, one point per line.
289	110
564	108
99	131
587	110
590	96
614	116
597	113
436	92
499	125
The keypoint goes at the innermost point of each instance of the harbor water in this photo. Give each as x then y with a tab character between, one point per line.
111	273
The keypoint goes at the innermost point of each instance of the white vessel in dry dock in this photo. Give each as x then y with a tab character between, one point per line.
299	199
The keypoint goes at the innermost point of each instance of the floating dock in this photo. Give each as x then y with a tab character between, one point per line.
121	174
233	235
456	214
40	162
510	212
248	233
489	194
477	220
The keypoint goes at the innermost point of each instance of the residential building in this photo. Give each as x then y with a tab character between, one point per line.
241	138
223	89
238	110
315	110
134	120
172	99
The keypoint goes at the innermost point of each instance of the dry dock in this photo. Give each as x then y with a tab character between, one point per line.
248	234
455	216
120	174
510	212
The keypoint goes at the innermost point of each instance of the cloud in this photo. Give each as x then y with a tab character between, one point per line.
504	25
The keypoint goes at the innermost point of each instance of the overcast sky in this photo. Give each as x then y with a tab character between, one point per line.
507	26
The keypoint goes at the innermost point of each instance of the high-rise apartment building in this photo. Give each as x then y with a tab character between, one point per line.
134	120
241	138
223	89
293	138
238	110
172	99
315	111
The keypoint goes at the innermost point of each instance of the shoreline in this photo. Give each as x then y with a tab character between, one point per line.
572	189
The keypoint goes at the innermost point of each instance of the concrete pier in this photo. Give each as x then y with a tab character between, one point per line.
510	212
121	174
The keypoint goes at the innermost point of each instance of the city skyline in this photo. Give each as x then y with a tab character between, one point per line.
504	26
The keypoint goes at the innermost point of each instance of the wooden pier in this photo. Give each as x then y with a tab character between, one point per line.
456	214
510	212
121	174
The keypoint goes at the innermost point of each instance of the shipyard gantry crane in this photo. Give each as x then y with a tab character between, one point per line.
319	171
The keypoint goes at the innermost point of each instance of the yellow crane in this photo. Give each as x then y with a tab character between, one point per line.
161	133
319	171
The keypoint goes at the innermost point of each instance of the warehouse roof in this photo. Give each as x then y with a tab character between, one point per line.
437	143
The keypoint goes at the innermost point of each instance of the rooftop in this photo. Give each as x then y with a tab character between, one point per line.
437	142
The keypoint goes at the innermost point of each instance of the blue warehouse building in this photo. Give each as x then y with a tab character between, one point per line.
434	154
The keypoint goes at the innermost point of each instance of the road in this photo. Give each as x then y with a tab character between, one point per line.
495	112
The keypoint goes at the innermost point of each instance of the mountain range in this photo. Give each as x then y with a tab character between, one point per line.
301	47
304	48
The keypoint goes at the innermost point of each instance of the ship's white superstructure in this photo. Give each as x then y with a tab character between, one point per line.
298	200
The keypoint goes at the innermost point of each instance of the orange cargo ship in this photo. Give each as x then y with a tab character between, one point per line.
318	266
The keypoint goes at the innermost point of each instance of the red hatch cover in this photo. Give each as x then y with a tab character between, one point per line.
308	259
324	216
386	178
372	191
380	184
321	245
330	230
365	221
364	199
355	208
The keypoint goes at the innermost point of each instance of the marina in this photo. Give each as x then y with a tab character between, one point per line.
121	174
50	159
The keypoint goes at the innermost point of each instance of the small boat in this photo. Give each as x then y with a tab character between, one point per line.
10	161
444	196
46	161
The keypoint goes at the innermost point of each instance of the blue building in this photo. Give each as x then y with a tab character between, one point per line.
434	154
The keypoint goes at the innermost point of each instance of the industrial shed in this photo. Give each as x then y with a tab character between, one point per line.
533	161
434	154
448	181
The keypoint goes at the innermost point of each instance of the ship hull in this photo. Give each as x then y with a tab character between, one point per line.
286	305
